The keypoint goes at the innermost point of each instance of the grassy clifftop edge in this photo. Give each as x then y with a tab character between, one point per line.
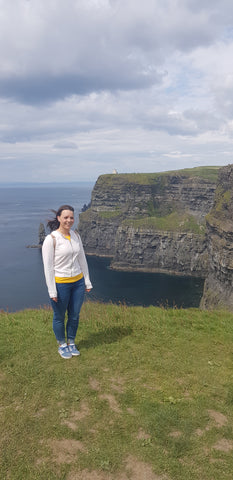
209	173
150	395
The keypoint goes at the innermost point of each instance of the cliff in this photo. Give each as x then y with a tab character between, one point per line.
166	252
218	288
151	222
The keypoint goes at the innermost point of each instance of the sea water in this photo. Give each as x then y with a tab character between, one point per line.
22	210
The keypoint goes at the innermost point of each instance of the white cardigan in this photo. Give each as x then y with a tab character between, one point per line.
64	259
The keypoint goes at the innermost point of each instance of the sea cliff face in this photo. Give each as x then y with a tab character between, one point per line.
151	222
166	252
218	288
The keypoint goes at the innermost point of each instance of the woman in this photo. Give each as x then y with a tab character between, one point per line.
67	278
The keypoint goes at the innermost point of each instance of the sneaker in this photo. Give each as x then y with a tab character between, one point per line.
64	351
73	349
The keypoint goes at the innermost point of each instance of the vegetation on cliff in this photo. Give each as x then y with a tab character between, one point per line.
108	214
174	222
206	173
220	211
150	397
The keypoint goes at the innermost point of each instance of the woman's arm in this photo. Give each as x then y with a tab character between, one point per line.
83	264
48	261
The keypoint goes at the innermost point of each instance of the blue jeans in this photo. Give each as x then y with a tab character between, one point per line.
70	298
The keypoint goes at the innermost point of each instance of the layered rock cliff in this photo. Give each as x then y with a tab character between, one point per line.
218	287
166	252
151	222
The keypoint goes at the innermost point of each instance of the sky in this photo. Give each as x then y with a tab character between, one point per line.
89	86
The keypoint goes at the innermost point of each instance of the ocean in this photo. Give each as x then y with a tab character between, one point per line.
23	208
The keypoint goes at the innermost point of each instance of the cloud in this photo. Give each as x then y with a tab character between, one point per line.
50	52
101	84
65	145
89	49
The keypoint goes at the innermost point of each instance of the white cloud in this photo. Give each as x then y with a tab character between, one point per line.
103	84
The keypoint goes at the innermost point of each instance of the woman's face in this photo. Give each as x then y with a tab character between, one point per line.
66	219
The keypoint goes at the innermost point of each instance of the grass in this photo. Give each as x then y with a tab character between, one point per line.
150	397
174	222
208	173
108	214
219	215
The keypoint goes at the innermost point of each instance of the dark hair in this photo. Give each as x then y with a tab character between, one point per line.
54	224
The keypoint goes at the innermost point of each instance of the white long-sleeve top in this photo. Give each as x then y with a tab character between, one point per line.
64	259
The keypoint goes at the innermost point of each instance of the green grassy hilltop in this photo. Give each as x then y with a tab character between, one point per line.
209	173
151	396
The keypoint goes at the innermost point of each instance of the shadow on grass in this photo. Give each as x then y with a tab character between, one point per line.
109	335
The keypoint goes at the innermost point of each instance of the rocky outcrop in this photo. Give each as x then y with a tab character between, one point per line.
41	234
41	237
218	287
151	222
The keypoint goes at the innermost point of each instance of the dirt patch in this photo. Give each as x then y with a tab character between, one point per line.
175	434
72	425
65	450
131	411
2	378
113	404
82	412
153	388
142	435
140	471
93	431
134	470
40	412
224	445
94	384
62	393
218	417
117	384
216	460
180	381
77	416
86	475
187	395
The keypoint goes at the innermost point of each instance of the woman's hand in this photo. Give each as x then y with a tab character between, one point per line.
54	299
88	290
